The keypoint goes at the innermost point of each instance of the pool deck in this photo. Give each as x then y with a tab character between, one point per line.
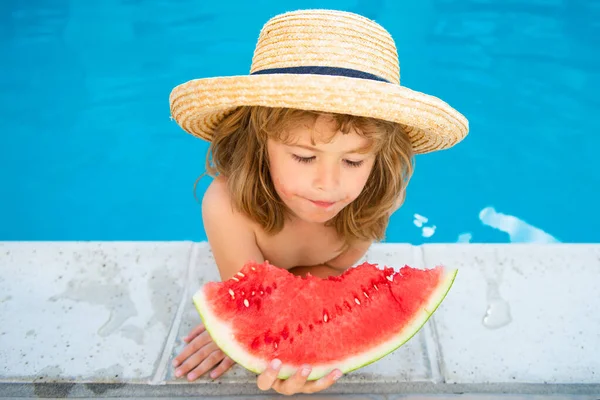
105	319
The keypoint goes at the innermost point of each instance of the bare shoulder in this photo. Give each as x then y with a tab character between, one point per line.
230	234
216	195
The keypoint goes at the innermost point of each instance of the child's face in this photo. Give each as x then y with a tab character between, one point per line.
316	182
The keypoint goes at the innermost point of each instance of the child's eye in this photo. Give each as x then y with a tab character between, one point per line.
354	163
303	159
307	160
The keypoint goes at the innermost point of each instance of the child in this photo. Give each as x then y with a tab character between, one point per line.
311	154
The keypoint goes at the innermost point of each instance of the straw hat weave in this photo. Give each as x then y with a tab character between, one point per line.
326	61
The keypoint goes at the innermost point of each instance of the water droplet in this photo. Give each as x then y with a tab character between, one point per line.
419	219
464	238
428	231
497	314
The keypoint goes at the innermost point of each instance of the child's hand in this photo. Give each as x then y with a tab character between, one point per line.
296	383
200	355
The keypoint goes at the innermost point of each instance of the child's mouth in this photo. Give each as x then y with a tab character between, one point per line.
323	204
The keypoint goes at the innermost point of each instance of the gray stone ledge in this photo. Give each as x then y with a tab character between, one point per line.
346	391
64	331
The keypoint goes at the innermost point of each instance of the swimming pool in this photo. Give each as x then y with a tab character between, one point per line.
89	151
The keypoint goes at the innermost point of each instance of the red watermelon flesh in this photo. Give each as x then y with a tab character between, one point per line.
344	322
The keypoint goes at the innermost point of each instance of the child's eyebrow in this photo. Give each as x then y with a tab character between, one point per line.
360	150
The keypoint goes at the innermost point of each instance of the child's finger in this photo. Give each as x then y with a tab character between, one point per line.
222	368
195	332
196	359
206	363
295	384
323	383
196	344
269	376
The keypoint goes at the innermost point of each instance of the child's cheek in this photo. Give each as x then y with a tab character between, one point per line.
282	188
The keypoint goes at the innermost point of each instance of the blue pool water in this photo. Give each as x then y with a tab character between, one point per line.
89	152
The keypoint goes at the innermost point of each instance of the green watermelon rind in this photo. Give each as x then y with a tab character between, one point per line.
219	332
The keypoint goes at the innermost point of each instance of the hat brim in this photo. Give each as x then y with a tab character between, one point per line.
199	105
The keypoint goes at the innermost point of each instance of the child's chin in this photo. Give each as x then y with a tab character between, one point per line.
320	218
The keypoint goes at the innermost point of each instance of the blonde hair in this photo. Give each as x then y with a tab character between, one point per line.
239	152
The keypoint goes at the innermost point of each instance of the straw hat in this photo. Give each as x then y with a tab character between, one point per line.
322	60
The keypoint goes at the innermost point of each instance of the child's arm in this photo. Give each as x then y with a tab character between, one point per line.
230	234
337	265
232	243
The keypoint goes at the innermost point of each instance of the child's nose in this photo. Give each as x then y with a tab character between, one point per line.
328	178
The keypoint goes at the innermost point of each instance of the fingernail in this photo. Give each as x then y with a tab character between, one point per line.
213	374
305	371
175	363
191	377
275	364
337	375
178	373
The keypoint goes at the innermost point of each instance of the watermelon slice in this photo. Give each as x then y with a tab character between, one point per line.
344	322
